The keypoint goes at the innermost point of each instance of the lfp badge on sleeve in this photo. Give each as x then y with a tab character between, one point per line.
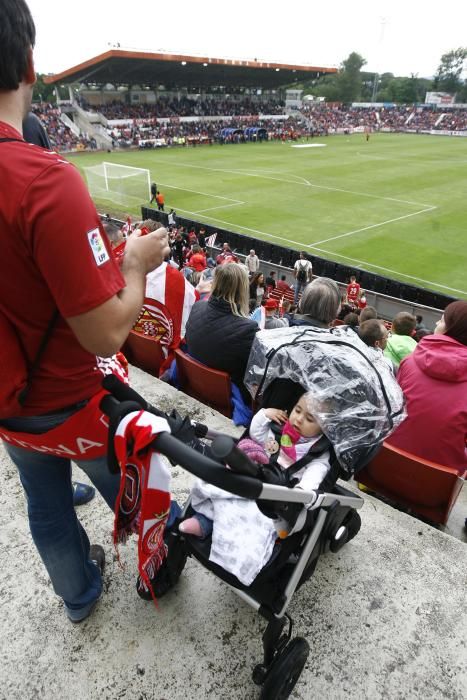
97	246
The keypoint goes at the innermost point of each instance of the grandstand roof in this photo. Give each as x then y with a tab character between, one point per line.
120	67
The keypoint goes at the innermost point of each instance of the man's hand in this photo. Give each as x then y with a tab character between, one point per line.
145	253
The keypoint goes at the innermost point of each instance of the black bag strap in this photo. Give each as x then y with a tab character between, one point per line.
4	140
32	369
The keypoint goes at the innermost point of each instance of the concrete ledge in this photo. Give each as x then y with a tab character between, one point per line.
385	618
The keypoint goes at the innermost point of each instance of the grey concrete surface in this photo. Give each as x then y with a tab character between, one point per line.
386	618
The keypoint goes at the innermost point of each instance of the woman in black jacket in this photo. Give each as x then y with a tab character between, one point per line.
219	333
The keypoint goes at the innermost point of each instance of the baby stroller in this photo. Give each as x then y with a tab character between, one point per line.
329	516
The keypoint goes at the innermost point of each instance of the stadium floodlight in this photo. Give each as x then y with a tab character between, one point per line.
119	183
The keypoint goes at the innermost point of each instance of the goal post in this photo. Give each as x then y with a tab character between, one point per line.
118	183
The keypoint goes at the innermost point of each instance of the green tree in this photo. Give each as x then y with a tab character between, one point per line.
448	75
42	91
349	78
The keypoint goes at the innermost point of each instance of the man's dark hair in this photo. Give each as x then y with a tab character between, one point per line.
403	323
17	36
283	278
371	331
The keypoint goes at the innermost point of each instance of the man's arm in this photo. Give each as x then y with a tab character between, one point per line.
104	329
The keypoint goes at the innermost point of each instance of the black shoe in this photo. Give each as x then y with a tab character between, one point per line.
97	556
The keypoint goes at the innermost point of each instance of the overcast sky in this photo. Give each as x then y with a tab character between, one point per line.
397	36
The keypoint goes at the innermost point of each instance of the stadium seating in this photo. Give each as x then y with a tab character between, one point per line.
210	386
425	488
144	352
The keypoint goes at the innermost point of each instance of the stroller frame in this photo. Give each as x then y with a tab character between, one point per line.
328	521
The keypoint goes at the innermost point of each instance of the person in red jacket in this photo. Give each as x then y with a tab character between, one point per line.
197	259
434	381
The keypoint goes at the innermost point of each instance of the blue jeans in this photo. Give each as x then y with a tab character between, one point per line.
57	533
299	287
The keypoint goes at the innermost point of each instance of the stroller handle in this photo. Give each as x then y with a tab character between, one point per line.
177	452
206	468
123	392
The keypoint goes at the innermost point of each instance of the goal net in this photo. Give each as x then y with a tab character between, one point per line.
118	183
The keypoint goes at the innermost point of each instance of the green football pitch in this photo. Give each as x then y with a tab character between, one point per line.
395	205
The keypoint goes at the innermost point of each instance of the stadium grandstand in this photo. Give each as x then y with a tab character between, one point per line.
147	100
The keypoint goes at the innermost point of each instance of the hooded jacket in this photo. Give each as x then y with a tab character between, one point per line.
434	381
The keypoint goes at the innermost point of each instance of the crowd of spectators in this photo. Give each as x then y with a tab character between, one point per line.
61	137
326	119
188	107
222	325
149	126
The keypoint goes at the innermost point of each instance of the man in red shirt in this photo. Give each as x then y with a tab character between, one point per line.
353	291
57	259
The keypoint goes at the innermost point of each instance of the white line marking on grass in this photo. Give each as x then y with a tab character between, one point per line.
251	230
331	254
205	194
310	145
220	206
364	263
367	228
306	183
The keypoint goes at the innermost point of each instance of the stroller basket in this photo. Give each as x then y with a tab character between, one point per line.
328	521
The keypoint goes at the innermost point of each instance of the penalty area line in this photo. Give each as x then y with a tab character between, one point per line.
367	228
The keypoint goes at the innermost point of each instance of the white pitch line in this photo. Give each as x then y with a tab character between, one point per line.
367	228
251	230
294	182
302	246
221	206
388	269
205	194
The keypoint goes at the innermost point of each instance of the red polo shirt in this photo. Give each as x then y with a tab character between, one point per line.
55	255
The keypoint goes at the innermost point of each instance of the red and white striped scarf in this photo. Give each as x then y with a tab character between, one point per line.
143	502
168	302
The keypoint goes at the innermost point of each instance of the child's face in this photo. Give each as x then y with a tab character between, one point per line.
303	421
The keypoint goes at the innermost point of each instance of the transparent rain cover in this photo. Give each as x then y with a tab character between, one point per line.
356	398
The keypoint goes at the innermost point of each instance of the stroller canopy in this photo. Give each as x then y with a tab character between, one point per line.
356	398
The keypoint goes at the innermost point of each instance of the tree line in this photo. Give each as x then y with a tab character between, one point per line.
352	84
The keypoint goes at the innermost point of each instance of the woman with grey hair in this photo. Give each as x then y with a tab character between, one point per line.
319	304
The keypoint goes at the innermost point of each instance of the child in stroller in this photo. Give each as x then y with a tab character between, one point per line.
245	536
331	520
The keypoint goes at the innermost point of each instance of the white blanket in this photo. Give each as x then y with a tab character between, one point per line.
242	537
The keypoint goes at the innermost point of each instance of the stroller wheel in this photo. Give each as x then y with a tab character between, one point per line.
285	670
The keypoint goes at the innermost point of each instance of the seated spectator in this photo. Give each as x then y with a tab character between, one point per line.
351	320
257	288
271	318
219	333
374	333
344	310
319	304
226	255
367	313
434	381
282	285
362	302
401	342
197	259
